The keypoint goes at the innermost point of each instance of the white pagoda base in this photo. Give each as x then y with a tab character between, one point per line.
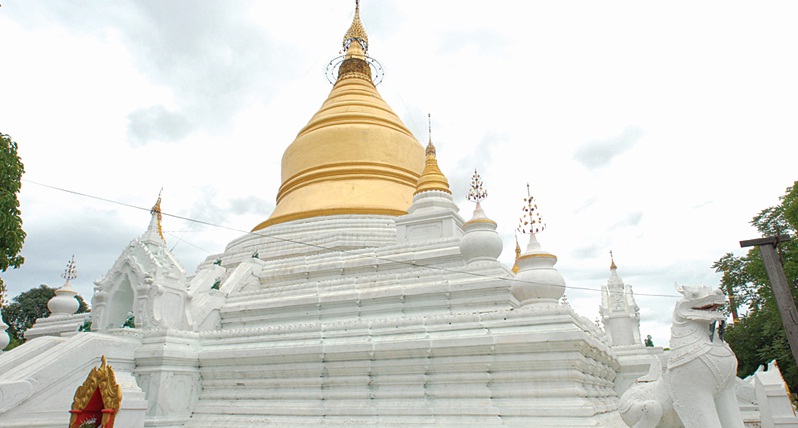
405	333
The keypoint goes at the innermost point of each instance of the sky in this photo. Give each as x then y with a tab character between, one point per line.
652	130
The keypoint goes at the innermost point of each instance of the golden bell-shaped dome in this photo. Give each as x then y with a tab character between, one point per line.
355	156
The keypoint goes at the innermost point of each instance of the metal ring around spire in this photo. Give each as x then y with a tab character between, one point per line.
377	71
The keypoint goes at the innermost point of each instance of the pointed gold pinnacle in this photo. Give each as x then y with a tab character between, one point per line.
432	178
356	32
156	209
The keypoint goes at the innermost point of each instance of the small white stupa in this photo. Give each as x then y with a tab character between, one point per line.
63	319
480	242
65	302
537	282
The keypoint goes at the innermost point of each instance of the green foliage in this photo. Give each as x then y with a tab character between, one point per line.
758	339
759	335
130	322
29	305
11	234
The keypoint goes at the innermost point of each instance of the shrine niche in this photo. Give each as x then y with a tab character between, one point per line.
97	401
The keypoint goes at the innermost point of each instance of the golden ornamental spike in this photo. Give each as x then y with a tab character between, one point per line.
156	209
530	221
477	193
430	147
354	60
516	268
356	33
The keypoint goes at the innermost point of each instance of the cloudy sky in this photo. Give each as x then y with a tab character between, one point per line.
653	130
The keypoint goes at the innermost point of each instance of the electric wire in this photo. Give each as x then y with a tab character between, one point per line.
321	247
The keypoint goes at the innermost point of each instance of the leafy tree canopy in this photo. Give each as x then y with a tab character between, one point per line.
23	310
11	234
759	335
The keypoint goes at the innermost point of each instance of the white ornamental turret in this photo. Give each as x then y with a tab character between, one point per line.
537	281
64	303
619	312
480	242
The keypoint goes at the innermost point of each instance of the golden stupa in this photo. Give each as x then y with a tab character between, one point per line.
355	156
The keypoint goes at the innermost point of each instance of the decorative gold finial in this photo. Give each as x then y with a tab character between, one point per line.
71	272
156	209
430	147
354	60
477	193
530	221
432	178
612	264
517	268
356	33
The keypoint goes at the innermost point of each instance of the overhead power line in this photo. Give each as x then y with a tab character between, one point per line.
321	247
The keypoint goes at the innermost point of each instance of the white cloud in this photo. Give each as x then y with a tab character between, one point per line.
597	154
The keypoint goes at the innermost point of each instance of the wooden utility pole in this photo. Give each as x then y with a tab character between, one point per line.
779	285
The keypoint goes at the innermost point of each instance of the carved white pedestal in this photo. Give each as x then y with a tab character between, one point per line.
775	408
167	368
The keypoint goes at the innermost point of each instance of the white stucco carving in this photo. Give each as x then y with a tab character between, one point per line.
698	388
147	282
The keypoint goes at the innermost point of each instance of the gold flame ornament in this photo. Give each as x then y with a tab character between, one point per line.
156	209
477	193
530	221
99	397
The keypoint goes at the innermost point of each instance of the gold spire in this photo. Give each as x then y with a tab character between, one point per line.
355	50
516	268
356	33
156	209
432	178
612	264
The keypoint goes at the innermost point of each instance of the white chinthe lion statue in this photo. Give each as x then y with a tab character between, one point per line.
697	389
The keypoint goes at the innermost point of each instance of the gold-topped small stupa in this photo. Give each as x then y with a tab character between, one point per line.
355	156
432	178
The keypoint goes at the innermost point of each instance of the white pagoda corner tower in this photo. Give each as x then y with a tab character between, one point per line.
620	316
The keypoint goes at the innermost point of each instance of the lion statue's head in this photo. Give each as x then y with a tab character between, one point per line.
700	303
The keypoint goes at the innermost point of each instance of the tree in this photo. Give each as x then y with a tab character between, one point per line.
759	337
29	305
11	234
